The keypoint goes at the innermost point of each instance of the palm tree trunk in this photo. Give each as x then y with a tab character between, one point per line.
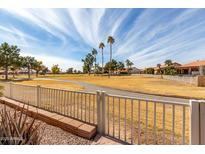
102	62
95	66
110	60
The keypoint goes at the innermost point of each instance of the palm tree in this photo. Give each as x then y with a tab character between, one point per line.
160	71
94	53
101	46
129	65
110	40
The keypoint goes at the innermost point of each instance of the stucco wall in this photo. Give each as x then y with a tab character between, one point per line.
183	79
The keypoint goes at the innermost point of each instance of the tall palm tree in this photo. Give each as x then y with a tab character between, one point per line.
110	40
101	46
94	53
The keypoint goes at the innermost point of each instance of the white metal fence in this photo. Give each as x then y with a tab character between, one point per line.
132	120
75	104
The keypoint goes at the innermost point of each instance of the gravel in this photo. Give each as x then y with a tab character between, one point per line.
54	135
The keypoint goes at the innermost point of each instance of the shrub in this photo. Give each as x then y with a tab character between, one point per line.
17	129
170	71
149	70
124	73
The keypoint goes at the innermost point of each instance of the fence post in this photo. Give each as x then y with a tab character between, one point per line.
103	115
99	118
194	123
197	126
10	89
202	122
38	95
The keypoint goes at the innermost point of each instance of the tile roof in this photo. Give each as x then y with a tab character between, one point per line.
194	64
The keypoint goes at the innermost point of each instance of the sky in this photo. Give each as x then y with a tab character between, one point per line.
145	36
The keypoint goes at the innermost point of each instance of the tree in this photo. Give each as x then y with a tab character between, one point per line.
44	70
170	70
98	69
55	69
120	65
168	62
149	70
8	56
110	40
94	53
16	65
111	66
101	46
88	63
160	70
38	66
69	70
129	65
29	63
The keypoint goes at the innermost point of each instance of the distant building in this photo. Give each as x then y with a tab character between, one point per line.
133	70
193	68
163	66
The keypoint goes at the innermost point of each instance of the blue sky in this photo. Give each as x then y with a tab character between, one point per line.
145	36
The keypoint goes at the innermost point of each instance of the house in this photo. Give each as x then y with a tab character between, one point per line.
163	66
133	70
193	68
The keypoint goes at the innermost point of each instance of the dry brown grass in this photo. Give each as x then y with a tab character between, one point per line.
76	103
52	84
140	84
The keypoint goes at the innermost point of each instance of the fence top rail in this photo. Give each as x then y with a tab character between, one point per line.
150	100
7	83
91	93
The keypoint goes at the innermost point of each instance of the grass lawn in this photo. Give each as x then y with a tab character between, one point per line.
68	106
140	84
52	84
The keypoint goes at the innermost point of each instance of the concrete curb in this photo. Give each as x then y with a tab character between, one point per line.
68	124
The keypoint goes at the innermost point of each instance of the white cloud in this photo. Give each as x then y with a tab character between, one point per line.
49	61
87	24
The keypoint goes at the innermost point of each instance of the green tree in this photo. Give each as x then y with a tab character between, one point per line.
16	65
44	70
120	65
149	70
29	63
170	70
55	69
69	70
168	62
129	65
88	63
101	46
111	66
38	66
9	55
110	40
94	53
